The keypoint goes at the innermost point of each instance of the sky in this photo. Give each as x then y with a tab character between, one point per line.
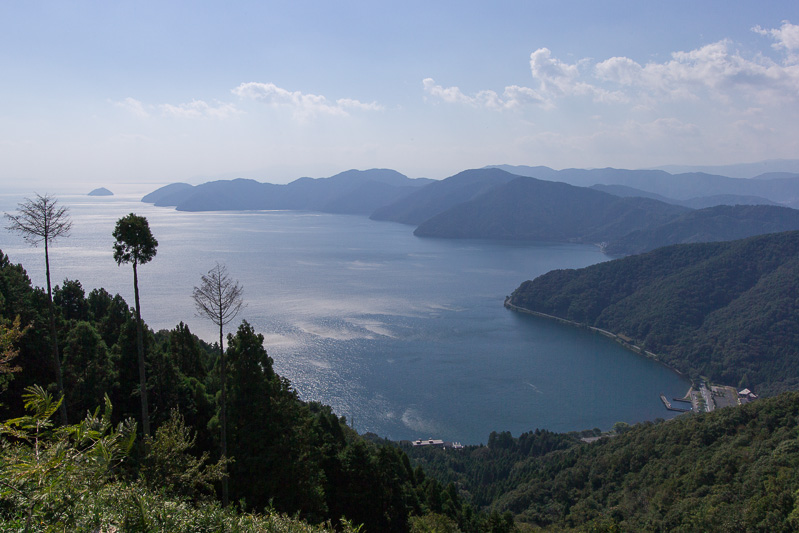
99	93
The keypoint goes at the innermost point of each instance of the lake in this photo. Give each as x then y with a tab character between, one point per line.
406	337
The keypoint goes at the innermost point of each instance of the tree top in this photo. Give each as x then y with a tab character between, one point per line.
134	240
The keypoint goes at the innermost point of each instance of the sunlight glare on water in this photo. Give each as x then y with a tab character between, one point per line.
406	337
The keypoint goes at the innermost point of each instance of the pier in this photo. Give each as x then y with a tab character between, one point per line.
670	407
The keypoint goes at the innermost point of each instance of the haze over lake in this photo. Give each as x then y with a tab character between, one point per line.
406	337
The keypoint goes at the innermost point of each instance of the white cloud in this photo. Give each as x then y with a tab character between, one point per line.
451	95
190	110
556	77
345	103
133	106
786	37
516	96
724	74
716	71
303	105
664	128
200	109
621	70
513	97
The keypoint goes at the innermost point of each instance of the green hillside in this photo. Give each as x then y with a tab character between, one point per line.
735	469
722	310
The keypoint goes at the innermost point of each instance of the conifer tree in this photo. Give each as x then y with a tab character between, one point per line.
135	244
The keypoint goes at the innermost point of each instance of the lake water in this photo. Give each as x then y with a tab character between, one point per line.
406	337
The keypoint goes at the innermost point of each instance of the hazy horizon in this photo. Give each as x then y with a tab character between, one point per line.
99	94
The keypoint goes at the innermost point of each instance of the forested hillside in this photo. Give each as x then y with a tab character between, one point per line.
538	210
718	223
529	209
735	469
723	310
440	196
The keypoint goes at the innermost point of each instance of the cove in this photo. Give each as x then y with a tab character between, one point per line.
406	337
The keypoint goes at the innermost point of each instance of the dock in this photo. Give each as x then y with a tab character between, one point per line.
670	407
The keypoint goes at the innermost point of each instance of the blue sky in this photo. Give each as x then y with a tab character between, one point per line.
104	93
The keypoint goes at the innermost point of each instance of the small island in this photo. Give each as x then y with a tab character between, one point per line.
102	191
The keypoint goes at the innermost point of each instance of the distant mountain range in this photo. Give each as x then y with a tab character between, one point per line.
780	187
741	170
493	204
352	192
624	211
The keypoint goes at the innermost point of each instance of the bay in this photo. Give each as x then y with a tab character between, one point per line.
406	337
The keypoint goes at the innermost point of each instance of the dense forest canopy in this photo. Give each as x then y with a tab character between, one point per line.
735	469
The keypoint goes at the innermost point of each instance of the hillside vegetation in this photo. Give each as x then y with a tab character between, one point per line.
537	210
724	310
528	209
735	469
718	223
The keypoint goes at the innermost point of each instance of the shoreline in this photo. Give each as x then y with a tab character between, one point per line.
619	339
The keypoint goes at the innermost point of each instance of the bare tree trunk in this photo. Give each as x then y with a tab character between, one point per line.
145	414
223	367
54	337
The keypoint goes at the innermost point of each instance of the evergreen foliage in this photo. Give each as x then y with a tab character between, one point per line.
136	245
731	470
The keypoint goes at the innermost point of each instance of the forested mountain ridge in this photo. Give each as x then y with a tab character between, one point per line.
734	469
725	310
718	223
439	196
538	210
529	209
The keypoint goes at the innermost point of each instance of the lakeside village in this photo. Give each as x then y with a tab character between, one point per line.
708	398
